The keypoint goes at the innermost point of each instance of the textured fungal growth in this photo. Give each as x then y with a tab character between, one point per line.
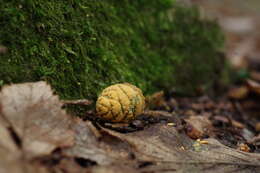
120	103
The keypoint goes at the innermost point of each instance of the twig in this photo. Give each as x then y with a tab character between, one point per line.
77	102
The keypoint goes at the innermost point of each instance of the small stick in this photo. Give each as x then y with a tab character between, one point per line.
77	102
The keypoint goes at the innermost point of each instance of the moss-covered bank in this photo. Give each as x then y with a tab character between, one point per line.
81	46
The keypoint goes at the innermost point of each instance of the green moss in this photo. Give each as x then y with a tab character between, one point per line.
82	46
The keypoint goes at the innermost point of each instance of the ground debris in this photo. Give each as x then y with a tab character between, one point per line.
160	142
198	127
32	125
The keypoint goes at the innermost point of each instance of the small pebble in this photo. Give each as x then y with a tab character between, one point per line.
170	124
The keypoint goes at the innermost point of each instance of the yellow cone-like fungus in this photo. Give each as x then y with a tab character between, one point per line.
120	103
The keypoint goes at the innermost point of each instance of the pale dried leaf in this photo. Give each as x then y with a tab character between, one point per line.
170	151
8	151
12	159
199	126
6	143
10	165
86	144
156	100
35	115
157	149
69	166
90	146
27	167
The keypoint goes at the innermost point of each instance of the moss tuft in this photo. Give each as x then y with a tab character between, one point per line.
82	46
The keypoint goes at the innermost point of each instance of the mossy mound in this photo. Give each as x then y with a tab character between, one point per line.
82	46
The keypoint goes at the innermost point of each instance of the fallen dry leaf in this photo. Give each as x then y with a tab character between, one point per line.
6	141
68	166
8	151
160	148
198	126
12	159
89	146
35	115
32	124
156	100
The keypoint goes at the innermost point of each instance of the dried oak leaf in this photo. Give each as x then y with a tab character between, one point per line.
93	146
169	151
6	143
7	146
198	126
12	159
156	100
35	116
157	149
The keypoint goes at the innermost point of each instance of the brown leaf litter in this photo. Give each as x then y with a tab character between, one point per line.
32	123
38	135
161	148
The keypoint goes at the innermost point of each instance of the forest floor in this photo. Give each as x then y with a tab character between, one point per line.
240	22
175	134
